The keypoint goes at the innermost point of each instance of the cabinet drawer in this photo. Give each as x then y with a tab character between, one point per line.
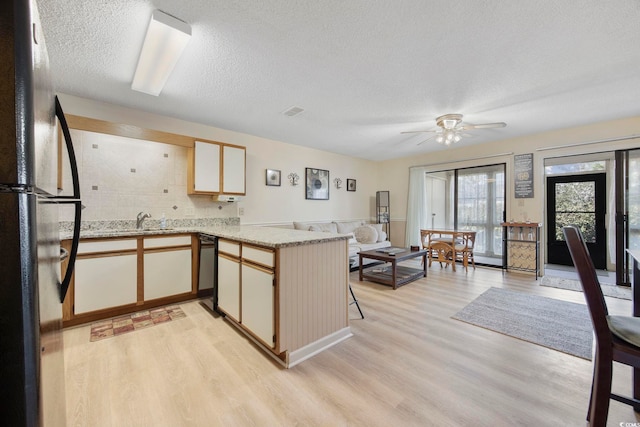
158	242
229	247
106	246
260	256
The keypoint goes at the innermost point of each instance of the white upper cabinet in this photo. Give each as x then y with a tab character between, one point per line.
205	168
233	161
216	168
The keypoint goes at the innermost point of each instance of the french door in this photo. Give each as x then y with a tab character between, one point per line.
577	200
627	211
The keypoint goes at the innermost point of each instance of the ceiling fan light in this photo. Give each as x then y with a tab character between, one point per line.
449	123
439	139
457	138
449	137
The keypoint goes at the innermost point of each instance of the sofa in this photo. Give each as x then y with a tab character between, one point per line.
363	236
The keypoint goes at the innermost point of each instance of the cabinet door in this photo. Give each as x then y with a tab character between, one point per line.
233	169
229	286
206	167
105	282
257	302
167	273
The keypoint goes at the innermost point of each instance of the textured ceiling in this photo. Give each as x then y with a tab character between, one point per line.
363	70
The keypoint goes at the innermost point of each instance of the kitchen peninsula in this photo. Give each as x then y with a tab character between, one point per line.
284	289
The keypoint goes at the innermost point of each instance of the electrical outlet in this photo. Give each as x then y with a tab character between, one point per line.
240	211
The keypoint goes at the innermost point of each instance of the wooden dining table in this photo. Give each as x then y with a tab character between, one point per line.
453	238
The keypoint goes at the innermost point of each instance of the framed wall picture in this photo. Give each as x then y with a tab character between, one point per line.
317	184
351	184
272	177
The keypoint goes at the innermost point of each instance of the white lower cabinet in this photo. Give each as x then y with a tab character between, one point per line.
246	288
229	286
167	273
257	302
116	275
105	282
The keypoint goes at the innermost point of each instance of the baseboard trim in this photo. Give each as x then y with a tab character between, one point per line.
311	349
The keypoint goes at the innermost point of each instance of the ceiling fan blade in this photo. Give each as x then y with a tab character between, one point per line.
419	131
468	126
425	140
466	135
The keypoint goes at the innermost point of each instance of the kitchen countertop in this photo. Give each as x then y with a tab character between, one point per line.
273	237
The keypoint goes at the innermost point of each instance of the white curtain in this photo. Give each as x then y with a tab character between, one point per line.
416	206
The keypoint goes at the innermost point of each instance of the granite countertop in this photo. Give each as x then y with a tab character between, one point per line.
273	237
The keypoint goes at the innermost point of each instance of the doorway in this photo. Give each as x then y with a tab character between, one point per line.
470	199
577	200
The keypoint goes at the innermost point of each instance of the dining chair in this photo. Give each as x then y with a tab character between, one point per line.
464	249
439	249
617	338
443	253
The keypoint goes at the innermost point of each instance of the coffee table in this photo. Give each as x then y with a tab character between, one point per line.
396	275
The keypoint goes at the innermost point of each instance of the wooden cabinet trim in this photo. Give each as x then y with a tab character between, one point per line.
129	131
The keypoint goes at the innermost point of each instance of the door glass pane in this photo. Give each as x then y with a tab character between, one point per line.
480	207
575	205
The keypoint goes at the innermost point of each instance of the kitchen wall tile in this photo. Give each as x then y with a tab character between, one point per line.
121	193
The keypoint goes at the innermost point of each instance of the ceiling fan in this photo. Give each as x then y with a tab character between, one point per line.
451	129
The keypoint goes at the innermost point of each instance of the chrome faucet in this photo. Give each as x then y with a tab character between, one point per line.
140	219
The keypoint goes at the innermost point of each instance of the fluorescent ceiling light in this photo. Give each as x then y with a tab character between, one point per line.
165	40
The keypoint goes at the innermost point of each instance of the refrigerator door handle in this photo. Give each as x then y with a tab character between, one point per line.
64	286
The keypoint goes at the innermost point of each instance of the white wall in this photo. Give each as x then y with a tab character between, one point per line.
262	204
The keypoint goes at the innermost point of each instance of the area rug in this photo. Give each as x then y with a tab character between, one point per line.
574	285
132	322
559	325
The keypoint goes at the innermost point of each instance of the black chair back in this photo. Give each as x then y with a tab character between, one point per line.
590	285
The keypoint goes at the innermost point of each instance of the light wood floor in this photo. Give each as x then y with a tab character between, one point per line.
408	364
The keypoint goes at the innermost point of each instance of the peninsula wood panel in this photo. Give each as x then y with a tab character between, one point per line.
313	282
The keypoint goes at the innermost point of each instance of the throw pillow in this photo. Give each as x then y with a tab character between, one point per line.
382	236
327	228
300	226
366	234
348	227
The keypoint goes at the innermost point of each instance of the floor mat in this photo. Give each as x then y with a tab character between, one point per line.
131	322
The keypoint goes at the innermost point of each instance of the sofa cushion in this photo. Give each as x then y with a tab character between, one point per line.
366	234
300	226
382	236
348	226
329	227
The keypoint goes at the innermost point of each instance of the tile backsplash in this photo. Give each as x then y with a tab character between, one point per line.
120	177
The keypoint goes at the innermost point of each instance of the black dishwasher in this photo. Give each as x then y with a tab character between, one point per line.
208	270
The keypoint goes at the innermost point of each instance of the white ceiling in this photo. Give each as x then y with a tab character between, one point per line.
363	70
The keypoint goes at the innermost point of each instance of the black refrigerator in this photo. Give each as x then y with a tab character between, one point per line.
32	286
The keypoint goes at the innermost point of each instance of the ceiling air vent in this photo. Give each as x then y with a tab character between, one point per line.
293	111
